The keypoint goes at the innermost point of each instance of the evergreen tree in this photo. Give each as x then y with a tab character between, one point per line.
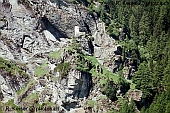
167	108
128	108
110	91
159	104
124	108
143	80
133	25
144	29
166	78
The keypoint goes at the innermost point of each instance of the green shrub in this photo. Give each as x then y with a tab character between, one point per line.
124	85
91	103
63	68
110	91
83	64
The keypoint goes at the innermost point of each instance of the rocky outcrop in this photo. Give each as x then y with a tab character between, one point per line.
64	15
33	29
135	95
10	84
67	93
106	49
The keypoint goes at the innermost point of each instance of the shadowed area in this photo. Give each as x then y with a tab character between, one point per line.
52	29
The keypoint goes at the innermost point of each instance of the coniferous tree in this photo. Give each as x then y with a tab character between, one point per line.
128	108
143	80
144	29
133	28
158	106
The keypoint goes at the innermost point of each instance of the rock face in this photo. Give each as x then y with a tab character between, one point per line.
9	84
66	93
106	49
6	90
31	30
64	15
135	95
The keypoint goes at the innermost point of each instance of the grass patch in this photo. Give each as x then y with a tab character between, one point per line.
11	68
48	104
94	72
120	100
28	85
112	111
102	81
102	97
132	85
70	48
1	106
41	70
91	103
31	99
110	75
93	60
55	54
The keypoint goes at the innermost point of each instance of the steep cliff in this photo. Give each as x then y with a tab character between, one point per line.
60	72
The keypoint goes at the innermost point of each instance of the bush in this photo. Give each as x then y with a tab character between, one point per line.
124	85
63	68
91	103
110	91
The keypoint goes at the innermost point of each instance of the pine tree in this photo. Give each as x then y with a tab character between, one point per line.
110	91
143	80
166	78
144	29
159	104
128	108
133	25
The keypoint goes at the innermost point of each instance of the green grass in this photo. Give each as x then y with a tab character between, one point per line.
102	97
11	68
70	48
93	60
55	54
102	81
49	104
107	75
94	73
1	107
11	104
112	111
132	85
120	100
91	103
28	85
41	70
110	75
31	99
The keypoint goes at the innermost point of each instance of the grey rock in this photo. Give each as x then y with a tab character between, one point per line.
2	24
42	27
